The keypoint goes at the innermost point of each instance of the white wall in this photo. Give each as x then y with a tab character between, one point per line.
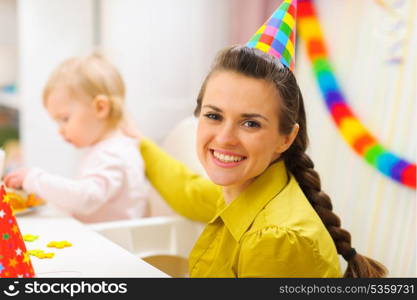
8	42
8	32
49	32
361	35
164	49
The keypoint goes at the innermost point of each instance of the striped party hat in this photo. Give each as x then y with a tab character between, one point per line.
277	35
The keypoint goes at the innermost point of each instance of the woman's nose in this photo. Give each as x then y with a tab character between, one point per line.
227	135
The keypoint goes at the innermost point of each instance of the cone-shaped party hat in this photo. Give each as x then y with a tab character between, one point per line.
277	35
14	259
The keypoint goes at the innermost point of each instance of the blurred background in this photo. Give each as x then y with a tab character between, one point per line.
164	49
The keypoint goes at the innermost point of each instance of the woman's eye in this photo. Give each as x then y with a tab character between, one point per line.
251	124
213	116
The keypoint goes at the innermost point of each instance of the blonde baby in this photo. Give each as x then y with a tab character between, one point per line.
85	97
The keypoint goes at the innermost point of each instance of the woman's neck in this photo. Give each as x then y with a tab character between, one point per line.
231	192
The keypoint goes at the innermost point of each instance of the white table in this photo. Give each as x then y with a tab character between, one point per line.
91	255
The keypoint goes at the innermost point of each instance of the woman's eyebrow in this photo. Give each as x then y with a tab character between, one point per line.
212	107
245	115
255	116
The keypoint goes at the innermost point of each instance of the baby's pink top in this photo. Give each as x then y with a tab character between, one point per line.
111	184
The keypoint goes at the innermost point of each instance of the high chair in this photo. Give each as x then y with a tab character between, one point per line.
164	242
165	239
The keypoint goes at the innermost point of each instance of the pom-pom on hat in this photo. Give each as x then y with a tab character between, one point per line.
277	35
14	259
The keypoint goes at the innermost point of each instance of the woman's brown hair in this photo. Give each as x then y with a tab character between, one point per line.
257	64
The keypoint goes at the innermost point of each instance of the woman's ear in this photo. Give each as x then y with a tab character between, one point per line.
102	106
289	139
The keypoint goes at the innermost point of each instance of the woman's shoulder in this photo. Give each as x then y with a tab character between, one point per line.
289	223
288	209
286	252
289	213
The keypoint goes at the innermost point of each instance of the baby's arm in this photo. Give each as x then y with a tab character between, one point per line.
81	196
15	179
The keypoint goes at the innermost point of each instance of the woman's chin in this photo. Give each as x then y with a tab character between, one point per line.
223	179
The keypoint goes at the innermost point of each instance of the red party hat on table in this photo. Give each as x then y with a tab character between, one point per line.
14	259
277	35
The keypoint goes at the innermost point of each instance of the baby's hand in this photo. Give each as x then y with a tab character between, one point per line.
15	179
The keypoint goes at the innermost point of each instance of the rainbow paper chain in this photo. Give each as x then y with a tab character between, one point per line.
352	130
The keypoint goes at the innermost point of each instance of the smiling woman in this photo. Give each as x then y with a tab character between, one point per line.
236	143
267	215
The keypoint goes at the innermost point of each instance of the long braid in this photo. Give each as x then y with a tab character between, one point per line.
302	167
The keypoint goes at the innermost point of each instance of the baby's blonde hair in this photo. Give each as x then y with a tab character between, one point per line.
94	75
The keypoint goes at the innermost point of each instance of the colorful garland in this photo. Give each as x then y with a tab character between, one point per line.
352	130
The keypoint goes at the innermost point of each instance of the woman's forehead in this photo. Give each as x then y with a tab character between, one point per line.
227	90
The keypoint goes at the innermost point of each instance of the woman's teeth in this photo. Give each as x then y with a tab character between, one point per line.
227	158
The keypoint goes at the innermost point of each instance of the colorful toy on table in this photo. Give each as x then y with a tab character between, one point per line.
30	237
20	201
41	254
59	245
14	259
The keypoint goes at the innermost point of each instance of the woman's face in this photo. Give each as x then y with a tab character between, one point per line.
237	135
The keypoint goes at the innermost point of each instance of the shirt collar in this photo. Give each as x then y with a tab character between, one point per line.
241	212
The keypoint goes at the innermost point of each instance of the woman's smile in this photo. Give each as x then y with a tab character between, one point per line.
226	159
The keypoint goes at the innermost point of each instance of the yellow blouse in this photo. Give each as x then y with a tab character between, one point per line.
270	230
